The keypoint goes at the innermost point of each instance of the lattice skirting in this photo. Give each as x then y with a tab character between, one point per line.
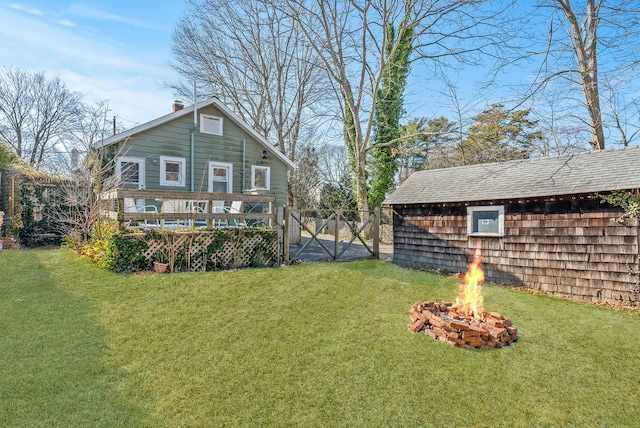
213	250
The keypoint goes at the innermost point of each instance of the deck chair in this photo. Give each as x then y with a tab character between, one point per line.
217	207
178	207
138	206
236	208
196	207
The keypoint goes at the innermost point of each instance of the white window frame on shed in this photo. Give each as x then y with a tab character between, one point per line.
267	177
141	171
212	177
474	225
182	163
210	124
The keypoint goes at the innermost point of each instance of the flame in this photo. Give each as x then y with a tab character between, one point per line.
469	301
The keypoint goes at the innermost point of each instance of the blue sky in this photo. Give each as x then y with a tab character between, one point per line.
116	50
120	51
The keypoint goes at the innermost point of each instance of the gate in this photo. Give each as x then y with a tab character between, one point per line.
330	235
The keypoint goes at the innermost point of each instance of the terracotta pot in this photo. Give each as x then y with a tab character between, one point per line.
160	267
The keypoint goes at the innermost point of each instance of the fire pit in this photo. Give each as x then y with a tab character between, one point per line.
464	322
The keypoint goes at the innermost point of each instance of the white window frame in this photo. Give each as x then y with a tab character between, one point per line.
485	208
181	173
229	166
205	118
267	177
141	169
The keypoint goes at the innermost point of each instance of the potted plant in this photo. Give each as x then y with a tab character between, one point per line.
160	267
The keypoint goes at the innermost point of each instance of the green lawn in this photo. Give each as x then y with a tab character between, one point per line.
307	345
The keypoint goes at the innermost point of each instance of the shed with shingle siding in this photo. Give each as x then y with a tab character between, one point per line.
553	233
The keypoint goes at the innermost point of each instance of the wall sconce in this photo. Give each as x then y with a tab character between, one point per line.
154	161
264	157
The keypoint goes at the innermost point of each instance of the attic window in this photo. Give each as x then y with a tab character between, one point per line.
485	220
210	124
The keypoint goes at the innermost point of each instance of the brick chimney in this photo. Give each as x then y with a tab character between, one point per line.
177	105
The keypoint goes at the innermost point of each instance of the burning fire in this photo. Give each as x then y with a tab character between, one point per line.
469	301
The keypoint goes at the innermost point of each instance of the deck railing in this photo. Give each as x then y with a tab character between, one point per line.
179	210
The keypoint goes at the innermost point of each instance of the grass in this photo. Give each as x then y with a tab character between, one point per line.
308	345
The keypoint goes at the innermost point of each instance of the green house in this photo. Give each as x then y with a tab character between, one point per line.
201	148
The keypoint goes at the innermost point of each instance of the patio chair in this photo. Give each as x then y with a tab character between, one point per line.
138	206
217	207
178	207
236	208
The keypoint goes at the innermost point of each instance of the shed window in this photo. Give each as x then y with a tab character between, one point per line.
485	221
172	171
210	124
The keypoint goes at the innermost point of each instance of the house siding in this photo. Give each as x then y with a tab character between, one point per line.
567	246
174	139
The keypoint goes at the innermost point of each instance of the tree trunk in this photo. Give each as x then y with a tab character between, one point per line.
585	46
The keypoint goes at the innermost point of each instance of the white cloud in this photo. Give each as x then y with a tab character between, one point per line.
98	14
89	62
31	10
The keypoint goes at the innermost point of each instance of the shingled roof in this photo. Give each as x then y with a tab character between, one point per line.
587	172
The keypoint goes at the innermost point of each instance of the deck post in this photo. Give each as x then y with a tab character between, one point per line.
120	214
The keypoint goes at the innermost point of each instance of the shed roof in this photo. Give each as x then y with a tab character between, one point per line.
586	172
189	111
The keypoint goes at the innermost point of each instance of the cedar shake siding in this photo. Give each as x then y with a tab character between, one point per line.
557	236
571	248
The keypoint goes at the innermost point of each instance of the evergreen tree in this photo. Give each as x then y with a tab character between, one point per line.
498	135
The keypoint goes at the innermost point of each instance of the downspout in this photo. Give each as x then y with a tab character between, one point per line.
244	156
193	138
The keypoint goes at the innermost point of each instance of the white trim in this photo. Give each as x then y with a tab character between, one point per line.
207	124
485	208
181	172
188	111
128	159
229	166
267	177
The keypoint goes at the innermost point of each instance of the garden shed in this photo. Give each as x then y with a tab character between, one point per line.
539	223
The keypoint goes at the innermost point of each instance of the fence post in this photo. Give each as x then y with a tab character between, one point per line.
336	237
285	236
376	233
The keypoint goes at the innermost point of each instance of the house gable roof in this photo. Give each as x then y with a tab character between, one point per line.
214	101
587	172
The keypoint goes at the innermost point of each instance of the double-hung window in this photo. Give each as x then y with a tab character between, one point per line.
172	171
130	172
260	177
485	220
220	177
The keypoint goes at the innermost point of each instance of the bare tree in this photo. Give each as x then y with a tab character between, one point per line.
254	59
587	48
35	111
349	37
90	126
